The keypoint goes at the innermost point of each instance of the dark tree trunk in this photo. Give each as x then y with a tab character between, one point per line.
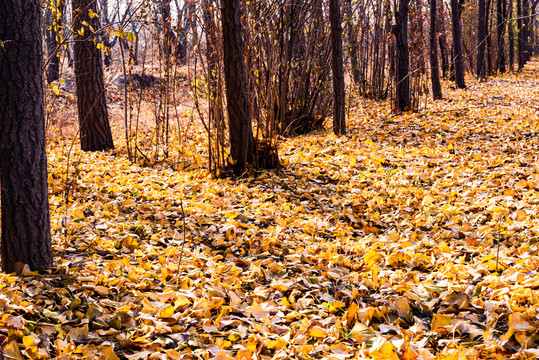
444	56
526	30
511	37
339	119
400	30
489	39
95	133
26	234
352	42
53	24
457	44
481	38
520	36
500	26
107	60
434	71
239	120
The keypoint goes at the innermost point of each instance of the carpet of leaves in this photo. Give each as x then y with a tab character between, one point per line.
416	237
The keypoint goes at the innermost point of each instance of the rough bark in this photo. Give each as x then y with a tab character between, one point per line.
481	38
489	39
239	121
400	30
511	37
520	36
105	39
339	119
526	30
443	56
352	42
26	234
500	26
95	133
457	44
434	70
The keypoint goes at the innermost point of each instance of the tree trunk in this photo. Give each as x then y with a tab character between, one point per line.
520	35
26	234
457	44
481	38
53	24
434	71
511	37
500	26
489	39
104	15
400	30
352	42
339	119
239	120
526	30
443	55
95	133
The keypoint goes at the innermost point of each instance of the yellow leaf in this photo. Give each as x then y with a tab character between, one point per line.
182	301
277	344
351	313
387	351
440	321
409	354
318	332
258	311
520	215
28	341
55	89
166	312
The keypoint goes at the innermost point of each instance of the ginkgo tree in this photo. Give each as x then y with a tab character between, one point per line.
95	133
25	218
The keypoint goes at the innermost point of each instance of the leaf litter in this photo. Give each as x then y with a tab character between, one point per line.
414	238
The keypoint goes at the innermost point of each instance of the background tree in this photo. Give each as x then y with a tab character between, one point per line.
339	119
400	30
481	38
352	41
458	57
501	14
434	68
53	32
26	234
95	133
239	121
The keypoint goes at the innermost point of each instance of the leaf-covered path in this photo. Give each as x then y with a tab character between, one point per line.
380	245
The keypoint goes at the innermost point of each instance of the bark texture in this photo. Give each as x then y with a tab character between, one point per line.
352	42
239	120
481	38
520	36
434	68
26	234
457	44
95	134
339	119
400	30
500	26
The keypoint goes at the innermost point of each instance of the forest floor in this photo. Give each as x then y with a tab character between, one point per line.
415	237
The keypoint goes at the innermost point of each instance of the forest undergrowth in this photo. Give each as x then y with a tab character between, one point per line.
415	237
